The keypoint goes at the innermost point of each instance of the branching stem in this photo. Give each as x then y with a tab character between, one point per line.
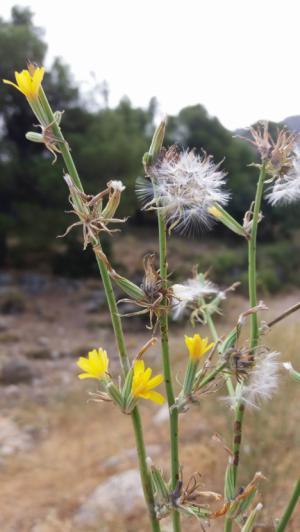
116	322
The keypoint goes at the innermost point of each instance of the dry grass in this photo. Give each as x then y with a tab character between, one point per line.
41	489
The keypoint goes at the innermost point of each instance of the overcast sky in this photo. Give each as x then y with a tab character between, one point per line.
240	58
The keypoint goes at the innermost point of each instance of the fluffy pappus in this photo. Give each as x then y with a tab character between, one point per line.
262	380
188	292
183	185
286	188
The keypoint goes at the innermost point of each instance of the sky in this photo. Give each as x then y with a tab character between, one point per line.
239	58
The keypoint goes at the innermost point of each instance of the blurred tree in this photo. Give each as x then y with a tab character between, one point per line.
106	143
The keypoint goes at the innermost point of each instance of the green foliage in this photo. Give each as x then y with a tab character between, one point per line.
107	144
278	266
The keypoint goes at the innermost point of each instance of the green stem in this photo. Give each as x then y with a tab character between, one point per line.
173	412
254	333
228	525
116	322
135	416
212	327
144	472
63	145
252	257
290	508
215	336
115	316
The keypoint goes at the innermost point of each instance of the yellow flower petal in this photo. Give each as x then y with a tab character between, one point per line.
29	82
197	346
156	397
13	84
142	383
156	381
139	366
95	366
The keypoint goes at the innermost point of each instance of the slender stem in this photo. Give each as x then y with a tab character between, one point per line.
145	478
252	257
284	314
117	326
228	525
167	367
115	316
215	336
212	327
135	416
254	333
290	508
63	145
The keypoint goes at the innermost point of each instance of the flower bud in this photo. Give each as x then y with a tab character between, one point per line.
128	401
130	288
34	137
114	393
115	190
57	116
248	526
151	156
223	216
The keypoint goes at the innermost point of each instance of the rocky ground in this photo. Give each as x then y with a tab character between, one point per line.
69	464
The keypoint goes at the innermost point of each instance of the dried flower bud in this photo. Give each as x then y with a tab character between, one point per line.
151	156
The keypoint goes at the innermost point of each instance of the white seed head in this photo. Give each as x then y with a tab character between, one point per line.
286	189
117	185
188	292
262	381
184	185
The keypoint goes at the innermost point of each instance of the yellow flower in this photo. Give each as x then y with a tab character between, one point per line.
95	366
197	346
142	384
28	81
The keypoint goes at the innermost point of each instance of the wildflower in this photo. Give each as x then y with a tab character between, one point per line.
282	163
197	346
277	154
142	384
95	366
28	81
183	185
262	379
286	188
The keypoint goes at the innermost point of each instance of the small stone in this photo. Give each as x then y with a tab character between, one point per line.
16	371
12	438
121	494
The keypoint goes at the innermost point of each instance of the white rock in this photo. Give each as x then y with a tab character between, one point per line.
12	438
120	494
